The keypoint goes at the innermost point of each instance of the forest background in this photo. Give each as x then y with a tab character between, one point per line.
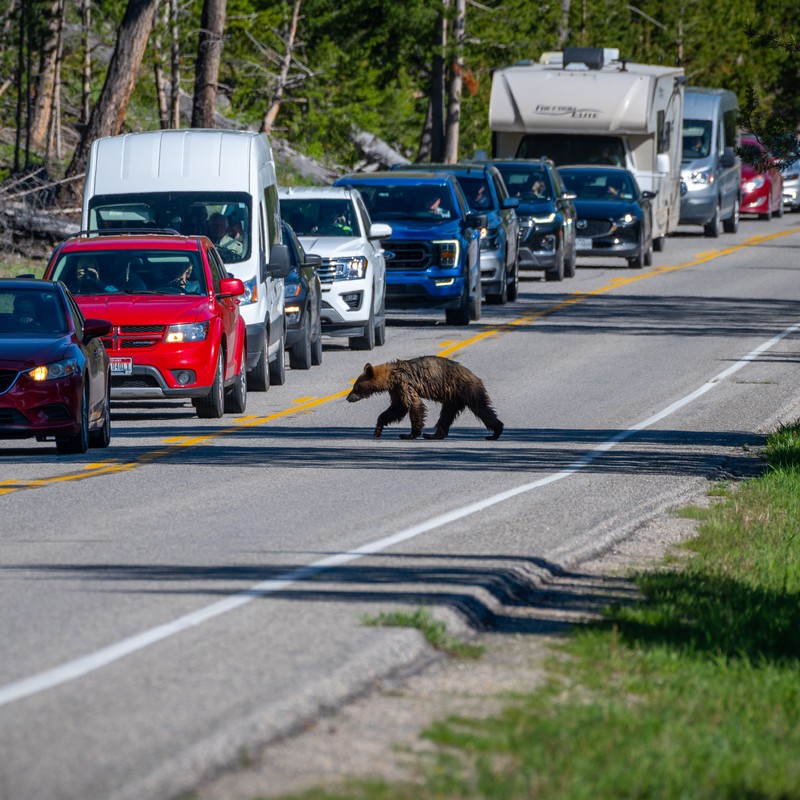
348	83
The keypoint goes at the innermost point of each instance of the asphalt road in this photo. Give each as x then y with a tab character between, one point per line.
201	587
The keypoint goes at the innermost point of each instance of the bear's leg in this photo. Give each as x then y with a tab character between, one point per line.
449	412
394	413
417	416
481	407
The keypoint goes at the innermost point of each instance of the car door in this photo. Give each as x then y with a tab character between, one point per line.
509	217
94	352
375	254
228	309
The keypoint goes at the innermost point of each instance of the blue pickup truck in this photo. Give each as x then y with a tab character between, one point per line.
433	254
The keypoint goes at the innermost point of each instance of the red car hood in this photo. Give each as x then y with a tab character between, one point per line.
25	352
749	171
137	309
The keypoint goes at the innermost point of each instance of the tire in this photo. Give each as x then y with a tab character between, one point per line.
212	406
557	274
367	340
236	395
79	442
380	327
648	254
659	243
779	211
713	228
475	304
637	262
766	217
513	287
460	315
731	225
258	377
300	351
316	346
570	265
277	368
102	438
500	298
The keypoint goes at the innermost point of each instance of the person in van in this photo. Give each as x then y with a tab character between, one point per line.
218	232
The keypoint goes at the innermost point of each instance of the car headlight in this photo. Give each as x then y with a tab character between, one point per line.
56	370
754	183
250	292
290	290
489	238
545	220
191	332
625	219
447	251
702	176
349	269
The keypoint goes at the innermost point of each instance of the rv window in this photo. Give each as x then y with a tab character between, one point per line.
563	150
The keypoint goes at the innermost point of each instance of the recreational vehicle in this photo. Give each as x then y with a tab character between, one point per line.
588	106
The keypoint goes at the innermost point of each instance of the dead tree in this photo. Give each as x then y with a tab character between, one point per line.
283	76
209	52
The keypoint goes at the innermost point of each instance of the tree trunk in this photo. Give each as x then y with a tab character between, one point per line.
175	67
158	68
108	114
426	140
277	96
437	84
209	51
563	26
45	89
456	83
86	69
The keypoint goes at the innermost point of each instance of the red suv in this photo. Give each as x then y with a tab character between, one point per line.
177	331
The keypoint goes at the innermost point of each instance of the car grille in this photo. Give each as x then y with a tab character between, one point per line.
326	271
594	227
134	337
7	378
407	255
10	416
134	382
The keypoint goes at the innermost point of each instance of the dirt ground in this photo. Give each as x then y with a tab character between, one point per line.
378	735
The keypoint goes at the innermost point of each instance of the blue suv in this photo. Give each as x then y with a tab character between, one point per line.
433	254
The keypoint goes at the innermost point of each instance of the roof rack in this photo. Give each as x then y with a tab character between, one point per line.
124	231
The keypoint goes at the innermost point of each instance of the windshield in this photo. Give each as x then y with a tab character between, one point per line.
432	203
607	150
131	272
527	183
320	217
696	138
31	311
596	184
224	217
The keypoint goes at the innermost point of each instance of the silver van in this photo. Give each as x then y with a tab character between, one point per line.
710	169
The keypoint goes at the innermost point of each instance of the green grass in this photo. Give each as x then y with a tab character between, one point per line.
10	267
692	693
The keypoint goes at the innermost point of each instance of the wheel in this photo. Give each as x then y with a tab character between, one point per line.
460	315
277	368
380	327
513	287
731	225
236	395
300	351
367	340
557	273
648	254
779	210
316	346
637	262
475	304
258	377
78	442
102	438
500	298
212	406
570	265
766	217
713	228
658	243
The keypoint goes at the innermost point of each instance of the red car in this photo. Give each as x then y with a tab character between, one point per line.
54	372
762	192
177	331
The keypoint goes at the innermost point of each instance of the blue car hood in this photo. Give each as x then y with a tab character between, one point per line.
423	229
607	209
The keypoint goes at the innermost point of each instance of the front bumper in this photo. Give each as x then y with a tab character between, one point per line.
345	307
538	247
50	409
147	383
698	207
442	289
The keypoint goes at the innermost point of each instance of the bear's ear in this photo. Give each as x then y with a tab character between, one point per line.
368	371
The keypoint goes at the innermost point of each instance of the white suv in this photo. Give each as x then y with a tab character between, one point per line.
333	222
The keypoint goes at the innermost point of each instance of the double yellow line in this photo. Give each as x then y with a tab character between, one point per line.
175	445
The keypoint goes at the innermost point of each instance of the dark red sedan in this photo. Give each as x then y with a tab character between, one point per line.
55	374
762	187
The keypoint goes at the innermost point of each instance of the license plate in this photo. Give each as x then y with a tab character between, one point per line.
122	366
583	244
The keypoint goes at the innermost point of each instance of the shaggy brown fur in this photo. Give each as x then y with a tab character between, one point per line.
431	378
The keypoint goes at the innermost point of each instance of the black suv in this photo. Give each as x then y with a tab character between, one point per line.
546	216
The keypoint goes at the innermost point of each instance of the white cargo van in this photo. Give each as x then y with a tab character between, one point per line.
195	182
588	106
710	172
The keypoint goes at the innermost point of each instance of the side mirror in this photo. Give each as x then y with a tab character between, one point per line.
728	158
476	221
230	287
93	328
313	260
510	202
648	195
280	264
379	230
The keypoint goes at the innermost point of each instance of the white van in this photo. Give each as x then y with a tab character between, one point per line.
710	170
193	182
589	106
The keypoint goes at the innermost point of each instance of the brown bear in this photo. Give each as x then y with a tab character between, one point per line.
432	378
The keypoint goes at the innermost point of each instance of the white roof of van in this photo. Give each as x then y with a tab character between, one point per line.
177	160
316	192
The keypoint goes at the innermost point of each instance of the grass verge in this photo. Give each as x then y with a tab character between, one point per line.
692	693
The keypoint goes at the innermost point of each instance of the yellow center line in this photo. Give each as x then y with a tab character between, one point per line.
304	404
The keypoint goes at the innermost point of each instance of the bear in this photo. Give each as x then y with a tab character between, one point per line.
408	381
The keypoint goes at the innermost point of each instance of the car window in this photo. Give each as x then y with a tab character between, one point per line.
527	183
599	185
32	312
134	271
476	190
320	216
696	138
217	267
428	202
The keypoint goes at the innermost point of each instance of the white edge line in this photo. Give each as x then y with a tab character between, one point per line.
79	667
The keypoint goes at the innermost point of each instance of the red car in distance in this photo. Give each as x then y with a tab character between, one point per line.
177	331
762	192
